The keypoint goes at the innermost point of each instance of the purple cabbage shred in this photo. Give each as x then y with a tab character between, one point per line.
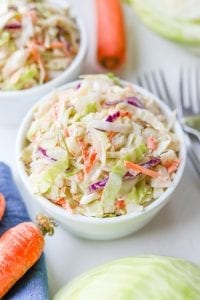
113	117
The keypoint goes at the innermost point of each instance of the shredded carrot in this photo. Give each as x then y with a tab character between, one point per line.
120	204
152	143
124	113
33	15
57	45
84	149
90	161
37	57
111	135
61	202
173	166
65	132
80	176
140	169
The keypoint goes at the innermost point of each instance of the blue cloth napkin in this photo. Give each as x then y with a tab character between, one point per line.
34	284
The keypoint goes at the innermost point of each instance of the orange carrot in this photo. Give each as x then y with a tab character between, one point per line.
61	202
120	204
124	113
37	57
173	166
140	169
111	134
111	41
20	247
2	205
33	15
57	45
152	143
90	161
79	176
84	148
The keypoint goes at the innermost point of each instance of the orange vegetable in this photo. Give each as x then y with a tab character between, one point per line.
111	134
173	166
120	203
111	41
2	205
124	113
152	143
79	176
84	149
33	15
140	169
61	202
90	161
57	45
20	247
37	57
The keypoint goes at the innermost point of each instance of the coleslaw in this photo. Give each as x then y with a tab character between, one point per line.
38	41
100	148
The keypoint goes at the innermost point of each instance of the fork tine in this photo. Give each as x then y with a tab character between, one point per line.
157	86
166	89
143	81
148	81
181	103
197	88
139	81
194	161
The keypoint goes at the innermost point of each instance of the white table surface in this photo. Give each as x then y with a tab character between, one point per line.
175	230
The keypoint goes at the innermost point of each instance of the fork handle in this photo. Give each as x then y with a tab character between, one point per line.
192	131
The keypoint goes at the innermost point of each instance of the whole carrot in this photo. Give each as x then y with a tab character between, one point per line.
111	41
2	205
20	247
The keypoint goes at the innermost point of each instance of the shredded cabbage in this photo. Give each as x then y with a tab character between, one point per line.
73	153
38	42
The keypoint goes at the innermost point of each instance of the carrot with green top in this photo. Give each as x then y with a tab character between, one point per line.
111	40
20	247
140	169
2	205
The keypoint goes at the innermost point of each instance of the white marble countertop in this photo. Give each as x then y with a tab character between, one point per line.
175	230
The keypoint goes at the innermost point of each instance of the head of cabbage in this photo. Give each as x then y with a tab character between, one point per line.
178	20
137	278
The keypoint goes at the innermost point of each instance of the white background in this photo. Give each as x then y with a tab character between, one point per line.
175	231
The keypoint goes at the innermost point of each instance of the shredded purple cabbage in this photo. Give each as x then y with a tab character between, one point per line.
44	152
130	100
134	101
154	161
113	117
13	26
98	185
78	86
109	103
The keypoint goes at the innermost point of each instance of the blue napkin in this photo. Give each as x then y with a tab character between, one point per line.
34	284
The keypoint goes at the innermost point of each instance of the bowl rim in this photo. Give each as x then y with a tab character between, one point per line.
59	211
70	69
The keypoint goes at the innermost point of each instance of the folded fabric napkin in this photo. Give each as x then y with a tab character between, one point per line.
34	283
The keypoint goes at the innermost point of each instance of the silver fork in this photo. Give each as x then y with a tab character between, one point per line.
156	83
189	98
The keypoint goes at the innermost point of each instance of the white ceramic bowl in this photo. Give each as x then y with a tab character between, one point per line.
15	104
105	228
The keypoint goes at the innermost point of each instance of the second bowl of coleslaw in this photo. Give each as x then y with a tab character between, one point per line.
102	156
43	45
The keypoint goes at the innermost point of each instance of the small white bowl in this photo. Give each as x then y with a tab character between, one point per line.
15	104
101	228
